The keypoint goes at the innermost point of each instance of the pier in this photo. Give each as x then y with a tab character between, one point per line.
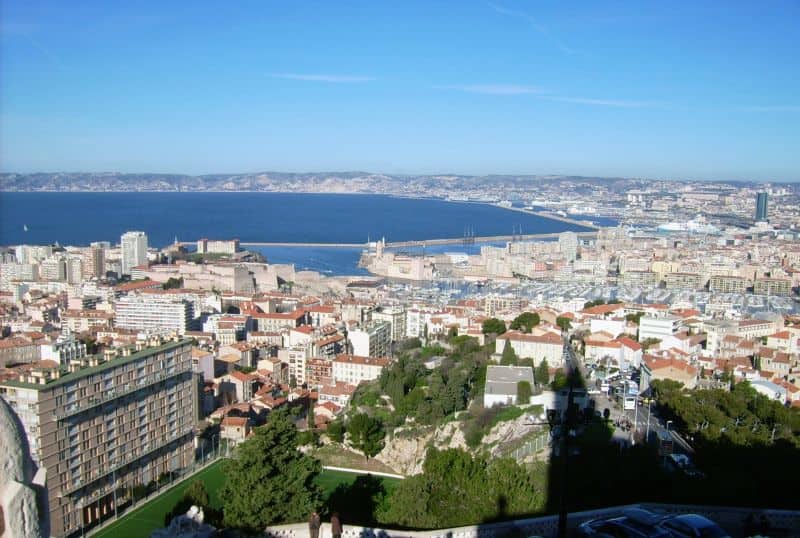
414	243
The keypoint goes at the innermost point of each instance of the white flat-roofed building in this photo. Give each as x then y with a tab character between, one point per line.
652	327
501	384
153	314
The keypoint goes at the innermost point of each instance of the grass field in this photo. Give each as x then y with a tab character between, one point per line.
143	520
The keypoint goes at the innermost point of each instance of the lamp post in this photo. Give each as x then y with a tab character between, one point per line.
647	435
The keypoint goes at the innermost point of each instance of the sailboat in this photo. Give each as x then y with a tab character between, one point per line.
24	227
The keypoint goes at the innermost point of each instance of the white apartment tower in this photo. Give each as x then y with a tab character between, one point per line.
134	250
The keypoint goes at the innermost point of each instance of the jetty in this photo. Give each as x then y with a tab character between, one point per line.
413	243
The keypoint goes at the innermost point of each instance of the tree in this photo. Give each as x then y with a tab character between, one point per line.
493	326
634	317
509	357
559	381
564	323
269	481
650	342
456	489
542	373
292	382
195	495
525	322
366	434
173	283
336	431
523	392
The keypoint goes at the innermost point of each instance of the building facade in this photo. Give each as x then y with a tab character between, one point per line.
134	251
111	423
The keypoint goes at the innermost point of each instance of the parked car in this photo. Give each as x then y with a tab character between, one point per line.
692	526
634	523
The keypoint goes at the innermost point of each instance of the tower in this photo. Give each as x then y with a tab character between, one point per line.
761	207
134	250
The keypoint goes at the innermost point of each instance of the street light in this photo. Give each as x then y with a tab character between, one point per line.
647	435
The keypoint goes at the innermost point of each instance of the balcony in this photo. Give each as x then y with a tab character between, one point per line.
132	456
128	388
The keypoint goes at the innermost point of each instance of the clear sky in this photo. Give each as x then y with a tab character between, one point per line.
673	89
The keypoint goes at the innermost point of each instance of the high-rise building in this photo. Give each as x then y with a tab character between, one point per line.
761	207
134	251
53	268
106	425
568	245
74	269
94	262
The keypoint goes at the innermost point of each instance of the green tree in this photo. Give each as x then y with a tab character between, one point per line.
542	373
173	283
493	326
523	392
650	342
269	481
335	431
195	495
559	381
525	322
634	317
564	323
366	434
509	357
456	489
292	382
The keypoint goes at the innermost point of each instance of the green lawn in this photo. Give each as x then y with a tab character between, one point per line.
143	520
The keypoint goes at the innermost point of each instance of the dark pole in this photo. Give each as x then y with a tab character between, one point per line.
565	429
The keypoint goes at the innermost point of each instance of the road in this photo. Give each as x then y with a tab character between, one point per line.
639	417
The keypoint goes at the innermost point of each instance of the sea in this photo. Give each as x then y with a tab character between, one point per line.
78	218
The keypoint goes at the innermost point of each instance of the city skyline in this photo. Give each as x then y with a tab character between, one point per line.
479	88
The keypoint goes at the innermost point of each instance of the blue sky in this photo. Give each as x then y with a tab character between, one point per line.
693	90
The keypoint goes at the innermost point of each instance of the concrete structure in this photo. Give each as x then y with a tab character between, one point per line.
395	316
211	246
134	251
501	384
111	423
372	340
94	262
773	286
652	327
154	314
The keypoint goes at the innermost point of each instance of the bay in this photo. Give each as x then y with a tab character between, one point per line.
78	218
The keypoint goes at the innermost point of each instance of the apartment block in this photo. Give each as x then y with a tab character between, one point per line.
134	251
353	369
105	425
154	314
684	281
372	340
773	286
727	284
396	318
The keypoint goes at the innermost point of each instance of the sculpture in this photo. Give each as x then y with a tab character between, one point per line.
23	497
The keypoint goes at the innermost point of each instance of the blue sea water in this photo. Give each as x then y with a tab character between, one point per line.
80	218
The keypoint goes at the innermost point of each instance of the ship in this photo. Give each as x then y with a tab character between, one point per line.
694	226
